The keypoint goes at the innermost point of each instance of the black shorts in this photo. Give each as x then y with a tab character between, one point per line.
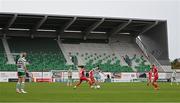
21	74
69	77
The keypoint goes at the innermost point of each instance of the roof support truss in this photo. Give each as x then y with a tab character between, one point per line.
148	27
92	27
38	25
119	28
9	24
66	26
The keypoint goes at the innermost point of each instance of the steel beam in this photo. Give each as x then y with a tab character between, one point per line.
119	28
93	27
66	26
149	27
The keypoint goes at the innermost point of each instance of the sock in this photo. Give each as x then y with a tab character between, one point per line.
18	85
22	85
155	85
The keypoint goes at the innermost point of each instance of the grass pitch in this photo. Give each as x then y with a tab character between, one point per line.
109	92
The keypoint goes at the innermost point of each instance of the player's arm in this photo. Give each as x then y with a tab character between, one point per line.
102	73
25	67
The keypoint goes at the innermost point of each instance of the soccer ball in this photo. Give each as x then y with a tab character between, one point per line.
98	86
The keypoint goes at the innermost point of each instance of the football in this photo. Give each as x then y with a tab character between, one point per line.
98	86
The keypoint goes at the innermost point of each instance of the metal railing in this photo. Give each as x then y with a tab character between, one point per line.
149	56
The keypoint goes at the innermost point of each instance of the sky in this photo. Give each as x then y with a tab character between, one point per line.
146	9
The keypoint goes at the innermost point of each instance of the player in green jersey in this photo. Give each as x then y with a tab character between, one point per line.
21	72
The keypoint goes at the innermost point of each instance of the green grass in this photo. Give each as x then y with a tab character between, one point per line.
109	92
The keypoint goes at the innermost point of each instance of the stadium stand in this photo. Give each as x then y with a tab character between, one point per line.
110	43
108	57
43	54
131	56
3	60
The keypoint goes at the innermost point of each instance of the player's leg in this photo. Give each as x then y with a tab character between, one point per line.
93	82
155	84
23	84
71	81
176	81
81	80
171	81
68	82
18	85
96	81
89	81
78	84
148	82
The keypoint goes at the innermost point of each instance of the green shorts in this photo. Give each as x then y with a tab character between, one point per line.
21	74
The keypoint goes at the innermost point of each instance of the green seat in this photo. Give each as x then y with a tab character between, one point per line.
43	54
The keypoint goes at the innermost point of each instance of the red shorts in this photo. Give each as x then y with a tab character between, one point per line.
155	79
84	79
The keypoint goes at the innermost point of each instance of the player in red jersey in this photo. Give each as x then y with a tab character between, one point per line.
82	77
149	77
91	76
155	74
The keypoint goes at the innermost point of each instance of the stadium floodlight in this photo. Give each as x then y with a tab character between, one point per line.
46	30
139	37
18	29
125	33
72	31
98	32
